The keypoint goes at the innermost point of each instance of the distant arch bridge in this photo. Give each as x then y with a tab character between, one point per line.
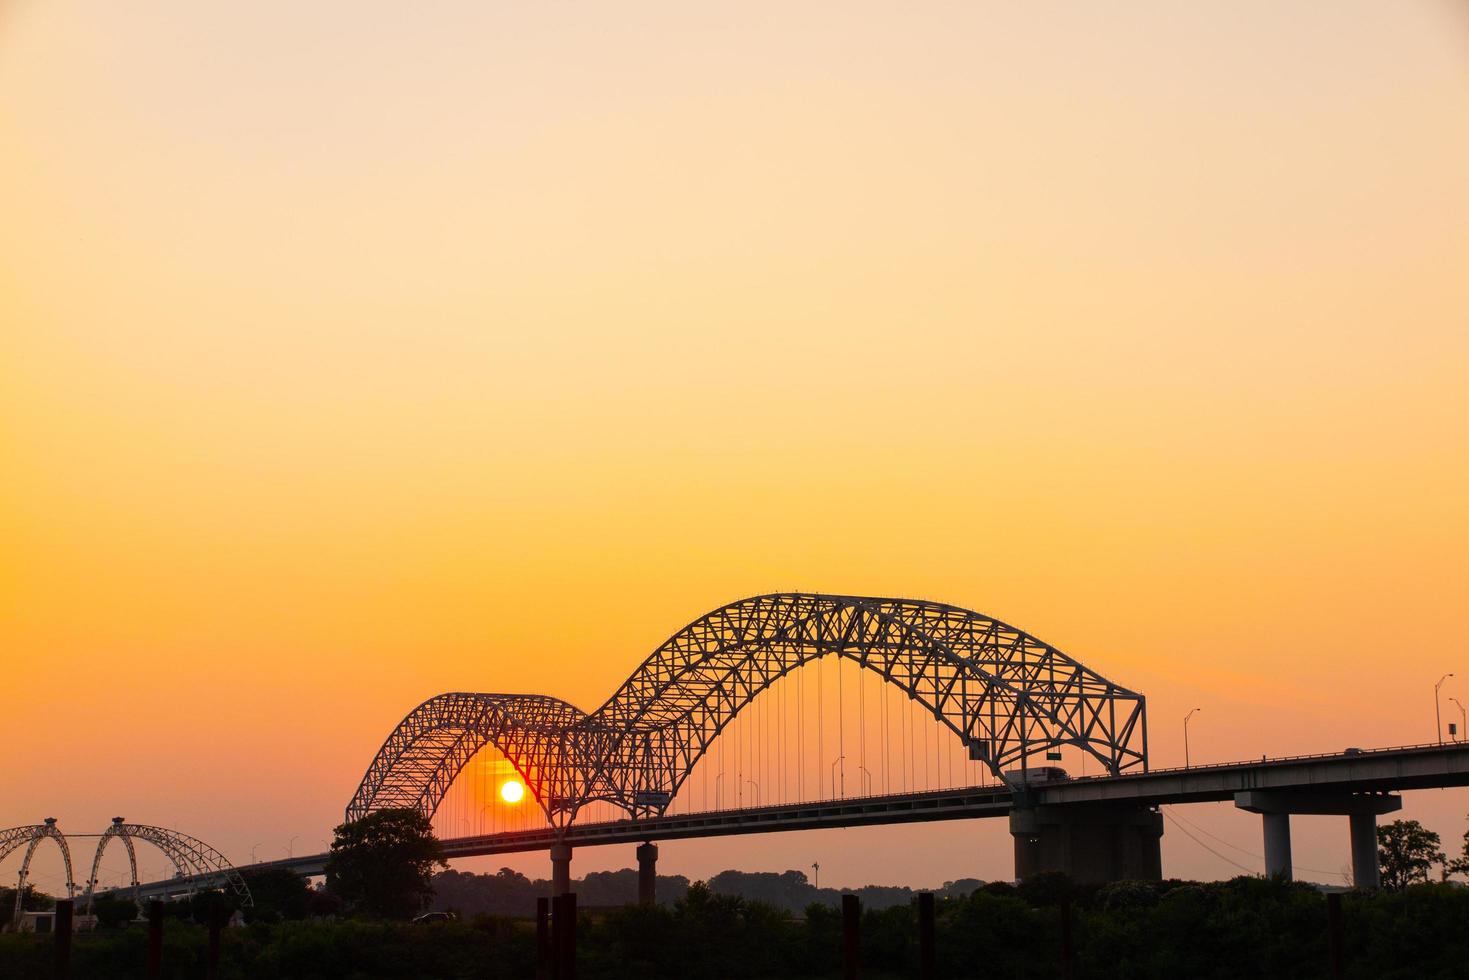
193	860
1006	694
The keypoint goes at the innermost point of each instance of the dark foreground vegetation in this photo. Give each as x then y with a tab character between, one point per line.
770	926
1248	927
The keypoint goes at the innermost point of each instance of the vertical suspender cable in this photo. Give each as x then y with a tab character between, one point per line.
862	722
841	722
820	726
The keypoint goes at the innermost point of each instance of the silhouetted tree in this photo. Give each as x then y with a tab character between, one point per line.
382	865
1406	852
112	912
32	901
1459	865
277	895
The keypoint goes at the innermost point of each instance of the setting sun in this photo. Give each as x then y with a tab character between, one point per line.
512	791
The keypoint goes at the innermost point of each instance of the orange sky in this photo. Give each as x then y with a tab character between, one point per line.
356	353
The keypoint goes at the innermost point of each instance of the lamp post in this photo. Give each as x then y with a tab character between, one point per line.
1463	718
252	853
757	790
1437	719
291	847
718	786
867	781
834	777
1185	736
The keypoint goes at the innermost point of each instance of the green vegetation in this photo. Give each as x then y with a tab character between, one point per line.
1250	927
382	865
764	926
1406	853
1460	865
31	901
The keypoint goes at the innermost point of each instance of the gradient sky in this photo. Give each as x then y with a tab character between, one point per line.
350	353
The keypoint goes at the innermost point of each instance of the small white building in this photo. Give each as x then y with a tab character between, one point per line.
38	922
45	922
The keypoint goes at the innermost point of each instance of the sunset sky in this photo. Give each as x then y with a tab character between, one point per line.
355	352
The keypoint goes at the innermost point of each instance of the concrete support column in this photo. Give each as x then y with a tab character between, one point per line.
1090	842
1277	844
647	872
560	869
1360	808
1364	850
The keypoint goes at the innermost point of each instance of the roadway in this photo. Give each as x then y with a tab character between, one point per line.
1377	771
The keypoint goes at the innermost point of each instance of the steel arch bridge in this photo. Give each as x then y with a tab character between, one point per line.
1006	694
192	858
30	837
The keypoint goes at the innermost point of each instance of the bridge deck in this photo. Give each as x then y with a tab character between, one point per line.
1376	771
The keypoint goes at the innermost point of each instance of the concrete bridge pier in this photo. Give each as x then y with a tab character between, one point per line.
647	872
560	869
1361	810
1363	827
1277	844
1090	842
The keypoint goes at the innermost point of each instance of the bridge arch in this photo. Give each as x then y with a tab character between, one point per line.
30	837
425	752
1006	694
191	858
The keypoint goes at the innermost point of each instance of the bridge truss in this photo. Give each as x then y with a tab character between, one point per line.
1004	693
192	859
30	837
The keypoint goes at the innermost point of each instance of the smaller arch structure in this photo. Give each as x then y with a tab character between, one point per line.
192	859
30	837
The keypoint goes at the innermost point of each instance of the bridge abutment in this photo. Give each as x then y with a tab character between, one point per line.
1361	809
647	873
560	869
1091	843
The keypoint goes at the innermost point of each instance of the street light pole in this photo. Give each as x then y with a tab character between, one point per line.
1463	718
757	790
1437	719
834	778
252	853
291	847
1185	736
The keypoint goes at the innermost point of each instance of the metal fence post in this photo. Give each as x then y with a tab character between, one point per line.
543	939
851	937
155	939
566	948
927	968
63	939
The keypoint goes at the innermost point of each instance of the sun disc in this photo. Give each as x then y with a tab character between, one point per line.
512	791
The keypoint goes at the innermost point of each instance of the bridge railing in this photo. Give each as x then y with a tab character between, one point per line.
1271	760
